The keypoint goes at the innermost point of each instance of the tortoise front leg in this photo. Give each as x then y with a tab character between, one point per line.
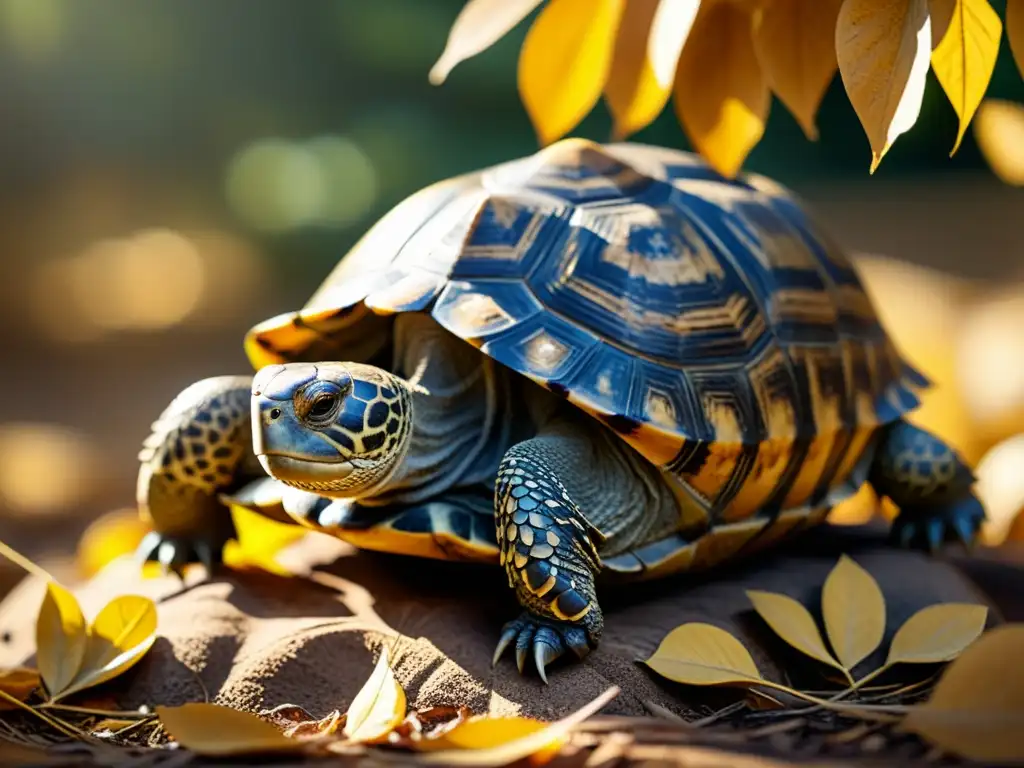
549	553
200	447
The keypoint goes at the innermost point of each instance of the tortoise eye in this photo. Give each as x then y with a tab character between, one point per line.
322	406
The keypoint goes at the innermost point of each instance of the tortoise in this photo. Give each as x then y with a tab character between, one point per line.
598	360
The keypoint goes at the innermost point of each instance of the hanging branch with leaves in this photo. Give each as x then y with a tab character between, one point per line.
722	60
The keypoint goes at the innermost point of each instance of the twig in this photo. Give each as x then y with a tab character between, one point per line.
24	562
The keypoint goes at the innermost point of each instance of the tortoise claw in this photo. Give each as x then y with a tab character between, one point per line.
174	553
542	639
929	527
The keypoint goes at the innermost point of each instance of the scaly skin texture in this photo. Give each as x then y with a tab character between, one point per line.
200	447
930	484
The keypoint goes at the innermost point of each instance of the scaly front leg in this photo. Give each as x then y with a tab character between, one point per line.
549	553
201	447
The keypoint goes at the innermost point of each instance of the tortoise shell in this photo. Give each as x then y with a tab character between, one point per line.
710	322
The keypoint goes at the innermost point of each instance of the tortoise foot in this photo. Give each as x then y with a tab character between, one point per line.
544	640
928	528
175	552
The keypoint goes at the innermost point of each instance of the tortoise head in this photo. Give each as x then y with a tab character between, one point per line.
337	429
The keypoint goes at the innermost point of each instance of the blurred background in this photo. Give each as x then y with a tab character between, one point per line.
172	172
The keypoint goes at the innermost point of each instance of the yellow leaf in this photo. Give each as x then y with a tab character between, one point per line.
109	537
965	58
216	731
793	623
484	732
378	707
1015	31
259	541
703	654
18	682
854	611
564	63
112	724
540	746
721	97
479	25
999	130
977	707
647	47
883	49
795	43
937	633
119	636
61	638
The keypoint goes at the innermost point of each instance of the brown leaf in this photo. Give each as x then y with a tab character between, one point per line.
793	623
965	58
119	637
937	633
540	746
647	46
216	731
1015	31
703	654
883	49
61	638
479	25
721	97
325	726
977	707
378	706
795	43
564	63
19	682
854	611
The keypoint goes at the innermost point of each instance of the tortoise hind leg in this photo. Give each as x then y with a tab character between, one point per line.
930	484
200	447
548	551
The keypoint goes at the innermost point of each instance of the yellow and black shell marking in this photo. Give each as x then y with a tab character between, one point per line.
709	322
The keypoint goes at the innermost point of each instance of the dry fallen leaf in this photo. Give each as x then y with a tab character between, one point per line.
483	733
647	46
721	97
540	746
883	49
564	63
795	42
118	637
999	129
977	707
703	654
1015	31
965	57
853	608
793	623
378	707
479	25
937	633
216	731
61	638
19	682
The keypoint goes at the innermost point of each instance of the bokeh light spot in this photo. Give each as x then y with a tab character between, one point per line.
44	468
32	29
275	185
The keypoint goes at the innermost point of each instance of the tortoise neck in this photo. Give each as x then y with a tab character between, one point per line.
459	429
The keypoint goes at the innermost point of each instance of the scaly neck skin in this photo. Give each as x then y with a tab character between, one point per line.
458	434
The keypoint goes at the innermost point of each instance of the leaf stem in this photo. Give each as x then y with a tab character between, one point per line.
855	686
19	559
89	711
893	709
53	722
